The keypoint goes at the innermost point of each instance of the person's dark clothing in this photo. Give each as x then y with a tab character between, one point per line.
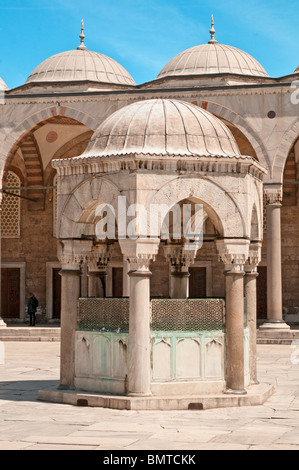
32	306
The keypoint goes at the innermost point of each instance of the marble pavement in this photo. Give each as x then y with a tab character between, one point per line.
29	424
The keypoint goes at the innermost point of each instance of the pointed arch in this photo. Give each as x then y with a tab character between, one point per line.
288	140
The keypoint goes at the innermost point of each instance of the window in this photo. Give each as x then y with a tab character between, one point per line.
10	210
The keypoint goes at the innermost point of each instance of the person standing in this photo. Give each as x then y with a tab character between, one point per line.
32	307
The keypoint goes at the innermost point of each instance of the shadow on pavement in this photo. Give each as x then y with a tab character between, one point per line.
25	390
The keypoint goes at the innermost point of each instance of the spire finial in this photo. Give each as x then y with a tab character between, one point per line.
82	37
212	32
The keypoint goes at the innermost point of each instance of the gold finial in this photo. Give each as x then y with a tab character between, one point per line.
82	37
212	32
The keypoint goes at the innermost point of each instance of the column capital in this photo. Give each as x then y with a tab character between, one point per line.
180	255
233	253
254	257
273	194
99	257
71	253
139	252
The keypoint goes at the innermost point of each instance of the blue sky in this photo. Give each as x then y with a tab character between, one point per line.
144	35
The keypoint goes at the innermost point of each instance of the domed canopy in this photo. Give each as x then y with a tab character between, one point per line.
212	58
162	127
80	65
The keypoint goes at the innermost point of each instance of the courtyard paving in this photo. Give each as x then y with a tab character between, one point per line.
29	424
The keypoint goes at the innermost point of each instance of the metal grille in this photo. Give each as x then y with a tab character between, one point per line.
10	214
187	315
104	314
112	314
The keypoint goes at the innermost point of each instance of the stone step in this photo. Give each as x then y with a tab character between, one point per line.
27	333
277	336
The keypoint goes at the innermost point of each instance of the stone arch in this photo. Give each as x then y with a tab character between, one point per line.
288	140
76	215
228	114
219	205
12	139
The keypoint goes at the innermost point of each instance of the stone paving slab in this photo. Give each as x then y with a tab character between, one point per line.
26	423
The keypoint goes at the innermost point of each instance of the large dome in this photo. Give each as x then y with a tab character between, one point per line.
80	65
212	58
162	127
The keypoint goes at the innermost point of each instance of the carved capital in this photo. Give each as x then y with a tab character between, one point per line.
181	255
99	257
139	252
254	257
273	194
71	253
233	253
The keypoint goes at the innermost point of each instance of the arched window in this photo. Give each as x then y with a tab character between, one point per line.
10	209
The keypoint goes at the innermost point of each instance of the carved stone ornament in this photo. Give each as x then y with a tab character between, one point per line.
99	257
233	253
139	252
71	253
273	194
180	255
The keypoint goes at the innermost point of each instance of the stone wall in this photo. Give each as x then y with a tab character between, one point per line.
36	246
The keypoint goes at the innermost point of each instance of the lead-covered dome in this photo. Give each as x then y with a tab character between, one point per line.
212	58
162	127
80	65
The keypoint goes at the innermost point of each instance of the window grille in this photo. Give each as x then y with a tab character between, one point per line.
10	210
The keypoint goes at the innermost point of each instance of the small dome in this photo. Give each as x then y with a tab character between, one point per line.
212	58
80	65
162	127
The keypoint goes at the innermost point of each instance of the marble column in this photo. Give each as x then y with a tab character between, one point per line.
139	253
70	293
97	269
274	278
180	256
234	300
84	280
250	296
250	292
234	254
95	284
70	255
179	283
